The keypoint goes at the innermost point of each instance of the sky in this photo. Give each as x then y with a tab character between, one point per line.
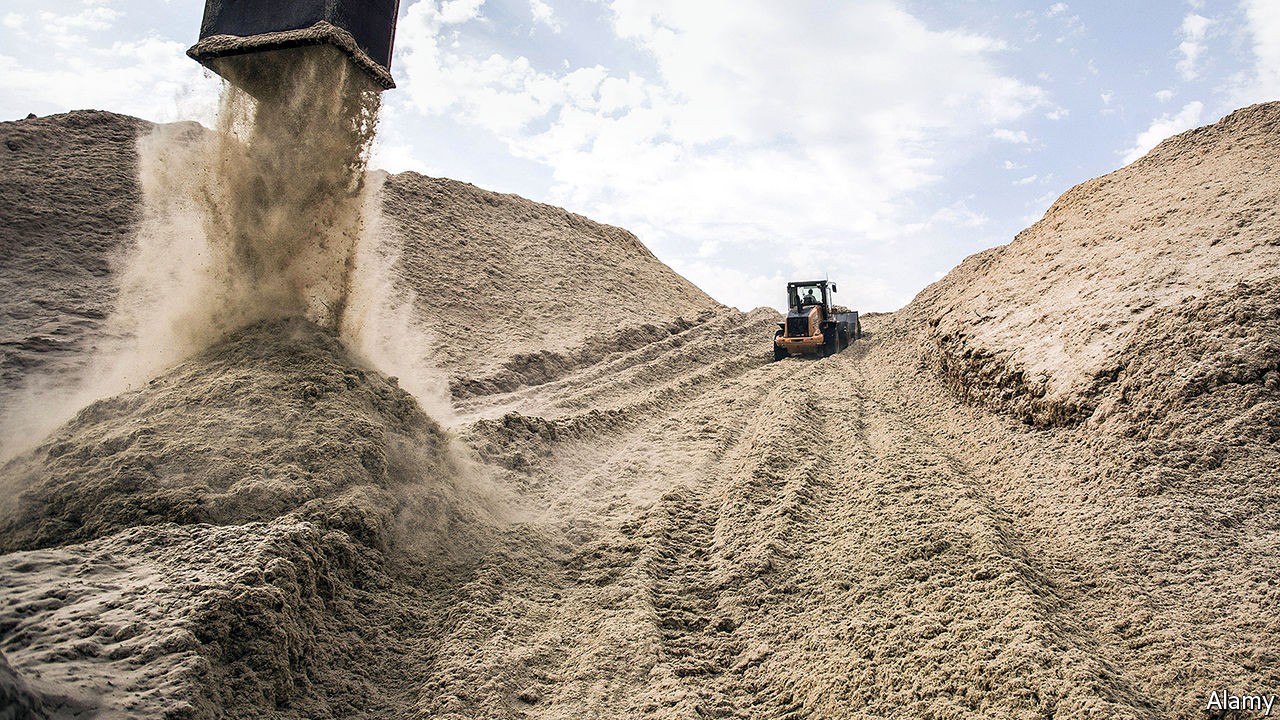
746	142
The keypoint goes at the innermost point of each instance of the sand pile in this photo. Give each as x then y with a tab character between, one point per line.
513	292
248	431
1049	327
237	514
70	199
1141	316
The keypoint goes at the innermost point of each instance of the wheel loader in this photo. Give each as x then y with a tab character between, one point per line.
814	325
362	29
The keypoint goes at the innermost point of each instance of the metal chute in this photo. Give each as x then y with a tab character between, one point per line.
362	29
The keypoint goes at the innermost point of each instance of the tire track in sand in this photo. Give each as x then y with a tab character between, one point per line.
913	594
785	542
723	542
562	622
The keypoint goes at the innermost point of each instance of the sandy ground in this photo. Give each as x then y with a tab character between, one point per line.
680	528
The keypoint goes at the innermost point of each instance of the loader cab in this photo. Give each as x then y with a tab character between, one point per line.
803	295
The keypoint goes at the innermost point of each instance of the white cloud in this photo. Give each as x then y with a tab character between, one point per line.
1011	165
957	215
148	77
14	21
1026	180
544	14
1070	24
453	12
66	30
1263	17
1163	127
736	287
1018	137
1194	28
804	126
1164	95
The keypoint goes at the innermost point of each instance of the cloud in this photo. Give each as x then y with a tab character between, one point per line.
544	14
453	12
66	30
1018	137
1194	28
1263	18
804	127
149	77
1164	95
1026	180
1163	127
736	287
1070	24
396	158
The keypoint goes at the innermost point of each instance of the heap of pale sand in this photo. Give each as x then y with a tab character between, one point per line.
1184	242
1141	318
216	543
515	292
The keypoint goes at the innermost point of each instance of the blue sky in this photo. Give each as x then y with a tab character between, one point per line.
747	142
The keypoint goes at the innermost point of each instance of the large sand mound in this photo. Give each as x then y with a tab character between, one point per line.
252	429
1137	291
515	292
238	510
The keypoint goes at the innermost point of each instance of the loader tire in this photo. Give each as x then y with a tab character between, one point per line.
779	352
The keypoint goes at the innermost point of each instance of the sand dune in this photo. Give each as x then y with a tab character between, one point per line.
1043	489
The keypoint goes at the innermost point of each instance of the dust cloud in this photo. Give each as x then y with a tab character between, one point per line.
284	219
380	324
255	221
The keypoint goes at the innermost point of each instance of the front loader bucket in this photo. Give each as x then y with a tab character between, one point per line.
363	29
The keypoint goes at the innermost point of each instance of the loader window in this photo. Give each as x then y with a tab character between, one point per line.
802	295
